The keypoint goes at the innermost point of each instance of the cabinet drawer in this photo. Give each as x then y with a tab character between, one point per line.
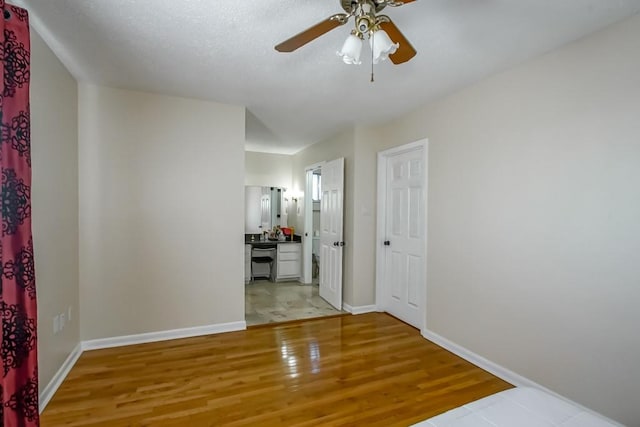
288	256
289	248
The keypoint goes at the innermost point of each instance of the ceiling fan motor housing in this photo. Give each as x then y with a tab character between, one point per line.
365	16
350	6
363	24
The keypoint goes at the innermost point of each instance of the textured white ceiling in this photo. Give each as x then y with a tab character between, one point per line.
223	51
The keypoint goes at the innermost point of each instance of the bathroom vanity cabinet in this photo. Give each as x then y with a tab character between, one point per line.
287	264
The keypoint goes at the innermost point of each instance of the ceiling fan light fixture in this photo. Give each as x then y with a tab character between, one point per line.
380	30
382	46
351	50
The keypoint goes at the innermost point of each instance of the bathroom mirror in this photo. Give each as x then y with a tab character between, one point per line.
264	208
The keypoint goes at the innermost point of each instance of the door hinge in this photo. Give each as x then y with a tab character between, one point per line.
387	243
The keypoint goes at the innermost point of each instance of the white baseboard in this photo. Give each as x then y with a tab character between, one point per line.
163	335
361	309
500	371
51	388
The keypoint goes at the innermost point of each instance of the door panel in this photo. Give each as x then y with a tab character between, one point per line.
414	273
415	220
397	270
398	205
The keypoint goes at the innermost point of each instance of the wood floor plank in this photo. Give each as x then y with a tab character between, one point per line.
369	370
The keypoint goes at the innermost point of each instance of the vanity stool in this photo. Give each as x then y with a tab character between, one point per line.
263	256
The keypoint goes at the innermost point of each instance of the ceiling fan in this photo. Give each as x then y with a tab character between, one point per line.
385	38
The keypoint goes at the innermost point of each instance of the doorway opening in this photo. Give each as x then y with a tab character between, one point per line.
289	288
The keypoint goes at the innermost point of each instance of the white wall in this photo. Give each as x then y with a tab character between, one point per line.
161	212
268	170
534	207
54	194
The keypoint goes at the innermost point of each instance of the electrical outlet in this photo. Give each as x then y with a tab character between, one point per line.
56	324
62	318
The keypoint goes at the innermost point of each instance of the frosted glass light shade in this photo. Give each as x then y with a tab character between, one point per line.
382	46
351	49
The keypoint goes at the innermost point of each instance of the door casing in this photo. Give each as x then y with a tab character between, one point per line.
307	237
381	218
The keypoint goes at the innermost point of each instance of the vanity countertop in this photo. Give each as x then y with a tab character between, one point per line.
257	242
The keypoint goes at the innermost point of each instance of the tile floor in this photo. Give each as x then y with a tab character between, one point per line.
269	302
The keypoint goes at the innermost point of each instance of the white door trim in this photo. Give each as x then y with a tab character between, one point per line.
307	235
383	157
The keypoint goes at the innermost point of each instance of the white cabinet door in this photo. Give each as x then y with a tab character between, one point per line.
290	269
289	260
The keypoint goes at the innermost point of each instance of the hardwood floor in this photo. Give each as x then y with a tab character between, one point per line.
361	370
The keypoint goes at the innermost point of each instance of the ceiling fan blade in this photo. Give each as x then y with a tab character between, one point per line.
399	2
405	51
313	33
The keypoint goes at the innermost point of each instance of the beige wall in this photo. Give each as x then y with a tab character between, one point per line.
341	145
54	193
161	212
367	142
534	201
533	207
268	170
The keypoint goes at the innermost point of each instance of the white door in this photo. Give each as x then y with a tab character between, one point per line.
331	233
403	234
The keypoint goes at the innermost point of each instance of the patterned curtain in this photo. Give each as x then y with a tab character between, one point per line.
19	385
